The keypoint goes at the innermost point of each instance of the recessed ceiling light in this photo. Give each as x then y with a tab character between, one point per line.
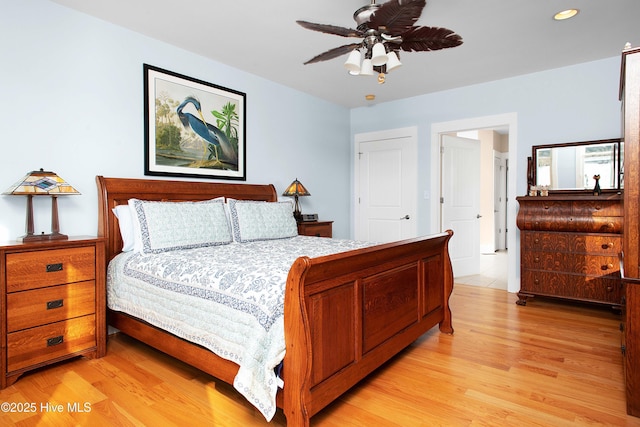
565	14
370	97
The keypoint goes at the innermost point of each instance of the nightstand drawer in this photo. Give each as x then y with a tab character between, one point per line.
315	228
38	269
46	343
41	306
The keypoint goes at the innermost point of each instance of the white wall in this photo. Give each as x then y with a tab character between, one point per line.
72	89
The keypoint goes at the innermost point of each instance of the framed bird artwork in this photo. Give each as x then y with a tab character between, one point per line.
193	128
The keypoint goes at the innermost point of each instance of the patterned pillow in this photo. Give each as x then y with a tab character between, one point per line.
167	226
253	220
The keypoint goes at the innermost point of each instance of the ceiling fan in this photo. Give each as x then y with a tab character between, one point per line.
385	29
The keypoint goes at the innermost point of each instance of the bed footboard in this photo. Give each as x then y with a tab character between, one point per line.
347	314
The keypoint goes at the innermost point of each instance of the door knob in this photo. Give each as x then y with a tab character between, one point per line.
478	216
406	217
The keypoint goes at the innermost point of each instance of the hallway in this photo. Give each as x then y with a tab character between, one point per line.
493	272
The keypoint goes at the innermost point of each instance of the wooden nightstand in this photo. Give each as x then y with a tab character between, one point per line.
315	228
53	303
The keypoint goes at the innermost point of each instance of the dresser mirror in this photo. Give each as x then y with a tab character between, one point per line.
572	166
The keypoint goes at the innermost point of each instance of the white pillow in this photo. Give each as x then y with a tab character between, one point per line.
253	220
166	226
125	222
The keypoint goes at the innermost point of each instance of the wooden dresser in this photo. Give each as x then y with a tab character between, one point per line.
630	97
53	303
569	246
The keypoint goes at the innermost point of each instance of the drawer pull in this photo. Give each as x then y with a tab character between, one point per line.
607	245
54	267
55	341
607	267
55	304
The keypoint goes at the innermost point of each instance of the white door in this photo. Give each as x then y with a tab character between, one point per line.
386	166
460	202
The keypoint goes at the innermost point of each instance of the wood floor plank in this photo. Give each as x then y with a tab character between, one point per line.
544	364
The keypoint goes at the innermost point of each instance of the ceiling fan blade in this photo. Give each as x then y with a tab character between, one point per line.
333	53
395	17
421	39
331	29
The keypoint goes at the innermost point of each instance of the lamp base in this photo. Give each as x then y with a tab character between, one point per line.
43	237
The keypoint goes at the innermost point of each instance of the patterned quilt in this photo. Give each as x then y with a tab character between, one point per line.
229	299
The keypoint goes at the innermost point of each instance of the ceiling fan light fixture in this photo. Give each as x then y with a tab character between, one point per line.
367	68
392	61
378	55
565	14
353	62
384	30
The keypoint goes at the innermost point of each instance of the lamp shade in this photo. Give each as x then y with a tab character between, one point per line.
378	55
392	61
296	189
41	183
353	62
367	68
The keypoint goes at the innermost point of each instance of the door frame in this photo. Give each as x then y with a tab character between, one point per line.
408	132
502	214
500	120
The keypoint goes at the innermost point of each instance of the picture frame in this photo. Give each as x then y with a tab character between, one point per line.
192	128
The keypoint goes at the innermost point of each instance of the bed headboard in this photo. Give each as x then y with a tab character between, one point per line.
118	191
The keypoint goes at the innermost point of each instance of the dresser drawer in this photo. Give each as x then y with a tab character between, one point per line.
595	224
591	265
591	208
38	269
596	289
46	343
605	244
37	307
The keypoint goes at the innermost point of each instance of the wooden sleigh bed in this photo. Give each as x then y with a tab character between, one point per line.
345	314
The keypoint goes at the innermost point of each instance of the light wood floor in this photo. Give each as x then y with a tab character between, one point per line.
546	364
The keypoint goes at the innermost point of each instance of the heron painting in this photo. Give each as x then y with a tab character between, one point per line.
192	128
217	147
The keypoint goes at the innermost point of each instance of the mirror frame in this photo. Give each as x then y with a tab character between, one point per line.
532	163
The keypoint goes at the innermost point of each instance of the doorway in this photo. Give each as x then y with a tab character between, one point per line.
508	124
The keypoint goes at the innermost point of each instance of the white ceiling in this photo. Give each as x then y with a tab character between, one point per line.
502	38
